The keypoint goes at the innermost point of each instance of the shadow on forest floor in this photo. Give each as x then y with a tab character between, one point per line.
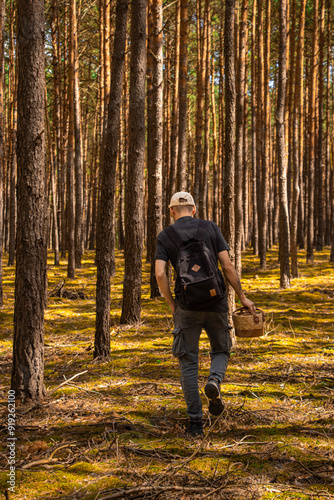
117	429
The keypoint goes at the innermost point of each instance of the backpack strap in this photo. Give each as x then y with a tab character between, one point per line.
201	234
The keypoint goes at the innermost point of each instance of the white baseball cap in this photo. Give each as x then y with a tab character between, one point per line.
181	198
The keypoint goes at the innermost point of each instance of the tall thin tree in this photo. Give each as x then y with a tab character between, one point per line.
106	216
312	134
79	205
296	139
12	135
2	44
319	205
284	230
181	181
70	183
30	277
154	206
134	195
230	98
240	116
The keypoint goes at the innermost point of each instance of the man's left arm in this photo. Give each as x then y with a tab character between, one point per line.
234	280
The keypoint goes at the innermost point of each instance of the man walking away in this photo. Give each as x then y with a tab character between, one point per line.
194	248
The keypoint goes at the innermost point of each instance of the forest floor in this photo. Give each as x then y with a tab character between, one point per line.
116	429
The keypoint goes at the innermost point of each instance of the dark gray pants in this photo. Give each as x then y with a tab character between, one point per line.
187	331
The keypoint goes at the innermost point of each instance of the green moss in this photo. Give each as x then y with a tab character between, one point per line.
123	420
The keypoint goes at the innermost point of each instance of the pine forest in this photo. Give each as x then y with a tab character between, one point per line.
109	107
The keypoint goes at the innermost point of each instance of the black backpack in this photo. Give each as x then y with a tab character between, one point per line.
197	270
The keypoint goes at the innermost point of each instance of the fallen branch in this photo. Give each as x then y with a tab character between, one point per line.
52	391
157	489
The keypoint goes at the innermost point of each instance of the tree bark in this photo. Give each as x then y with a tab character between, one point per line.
79	207
204	177
319	205
328	135
175	109
199	110
240	115
53	204
154	205
181	180
284	231
55	148
312	132
12	138
70	183
260	134
255	236
106	217
30	278
63	102
230	99
296	139
134	195
2	67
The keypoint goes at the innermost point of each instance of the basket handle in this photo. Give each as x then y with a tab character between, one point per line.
256	319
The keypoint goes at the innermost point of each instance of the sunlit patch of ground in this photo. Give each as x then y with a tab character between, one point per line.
119	425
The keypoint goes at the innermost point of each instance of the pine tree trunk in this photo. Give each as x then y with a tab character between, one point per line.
266	130
319	237
2	60
255	235
123	146
106	217
240	115
120	221
228	201
79	208
215	171
312	133
181	180
63	102
332	177
50	161
154	206
167	129
134	195
12	140
56	124
221	146
260	134
150	128
328	136
30	280
284	231
296	143
175	109
70	185
204	191
199	110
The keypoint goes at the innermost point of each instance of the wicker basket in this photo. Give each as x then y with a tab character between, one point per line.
246	324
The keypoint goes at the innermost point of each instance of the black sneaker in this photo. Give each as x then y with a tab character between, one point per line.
212	391
195	428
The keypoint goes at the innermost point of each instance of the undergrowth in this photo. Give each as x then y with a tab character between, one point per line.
116	429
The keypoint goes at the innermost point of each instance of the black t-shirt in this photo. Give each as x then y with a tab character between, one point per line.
186	227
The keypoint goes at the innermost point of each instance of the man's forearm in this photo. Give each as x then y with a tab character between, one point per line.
233	278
